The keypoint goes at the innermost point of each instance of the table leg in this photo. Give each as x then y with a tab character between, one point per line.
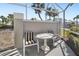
38	45
45	47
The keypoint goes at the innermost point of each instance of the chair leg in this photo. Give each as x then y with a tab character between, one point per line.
23	51
53	42
38	45
23	47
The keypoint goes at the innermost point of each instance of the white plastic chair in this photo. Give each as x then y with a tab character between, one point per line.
28	41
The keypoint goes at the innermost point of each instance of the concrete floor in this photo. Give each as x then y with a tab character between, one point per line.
61	49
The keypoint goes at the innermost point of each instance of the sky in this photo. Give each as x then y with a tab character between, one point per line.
6	9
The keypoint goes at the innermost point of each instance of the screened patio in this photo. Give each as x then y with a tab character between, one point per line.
25	31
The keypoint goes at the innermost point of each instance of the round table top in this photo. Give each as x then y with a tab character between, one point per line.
44	35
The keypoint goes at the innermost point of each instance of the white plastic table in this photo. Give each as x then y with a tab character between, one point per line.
45	37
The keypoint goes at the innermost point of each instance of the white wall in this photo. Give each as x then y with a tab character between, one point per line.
40	26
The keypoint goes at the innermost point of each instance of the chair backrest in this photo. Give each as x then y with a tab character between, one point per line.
29	36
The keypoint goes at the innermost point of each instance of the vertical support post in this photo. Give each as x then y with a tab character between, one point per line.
18	31
26	11
63	24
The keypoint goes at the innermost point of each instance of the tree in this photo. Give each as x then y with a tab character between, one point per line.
11	18
55	13
33	19
0	22
64	12
38	11
76	18
51	13
3	19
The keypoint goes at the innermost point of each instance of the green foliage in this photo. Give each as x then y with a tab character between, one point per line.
66	33
11	18
38	11
7	20
74	43
3	19
76	17
76	23
71	24
33	19
38	5
73	27
3	27
0	22
51	12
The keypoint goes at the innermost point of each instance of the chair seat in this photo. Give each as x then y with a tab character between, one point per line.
30	45
30	42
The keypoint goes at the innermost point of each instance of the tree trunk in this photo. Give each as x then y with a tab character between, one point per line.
54	18
49	17
45	17
39	16
76	24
